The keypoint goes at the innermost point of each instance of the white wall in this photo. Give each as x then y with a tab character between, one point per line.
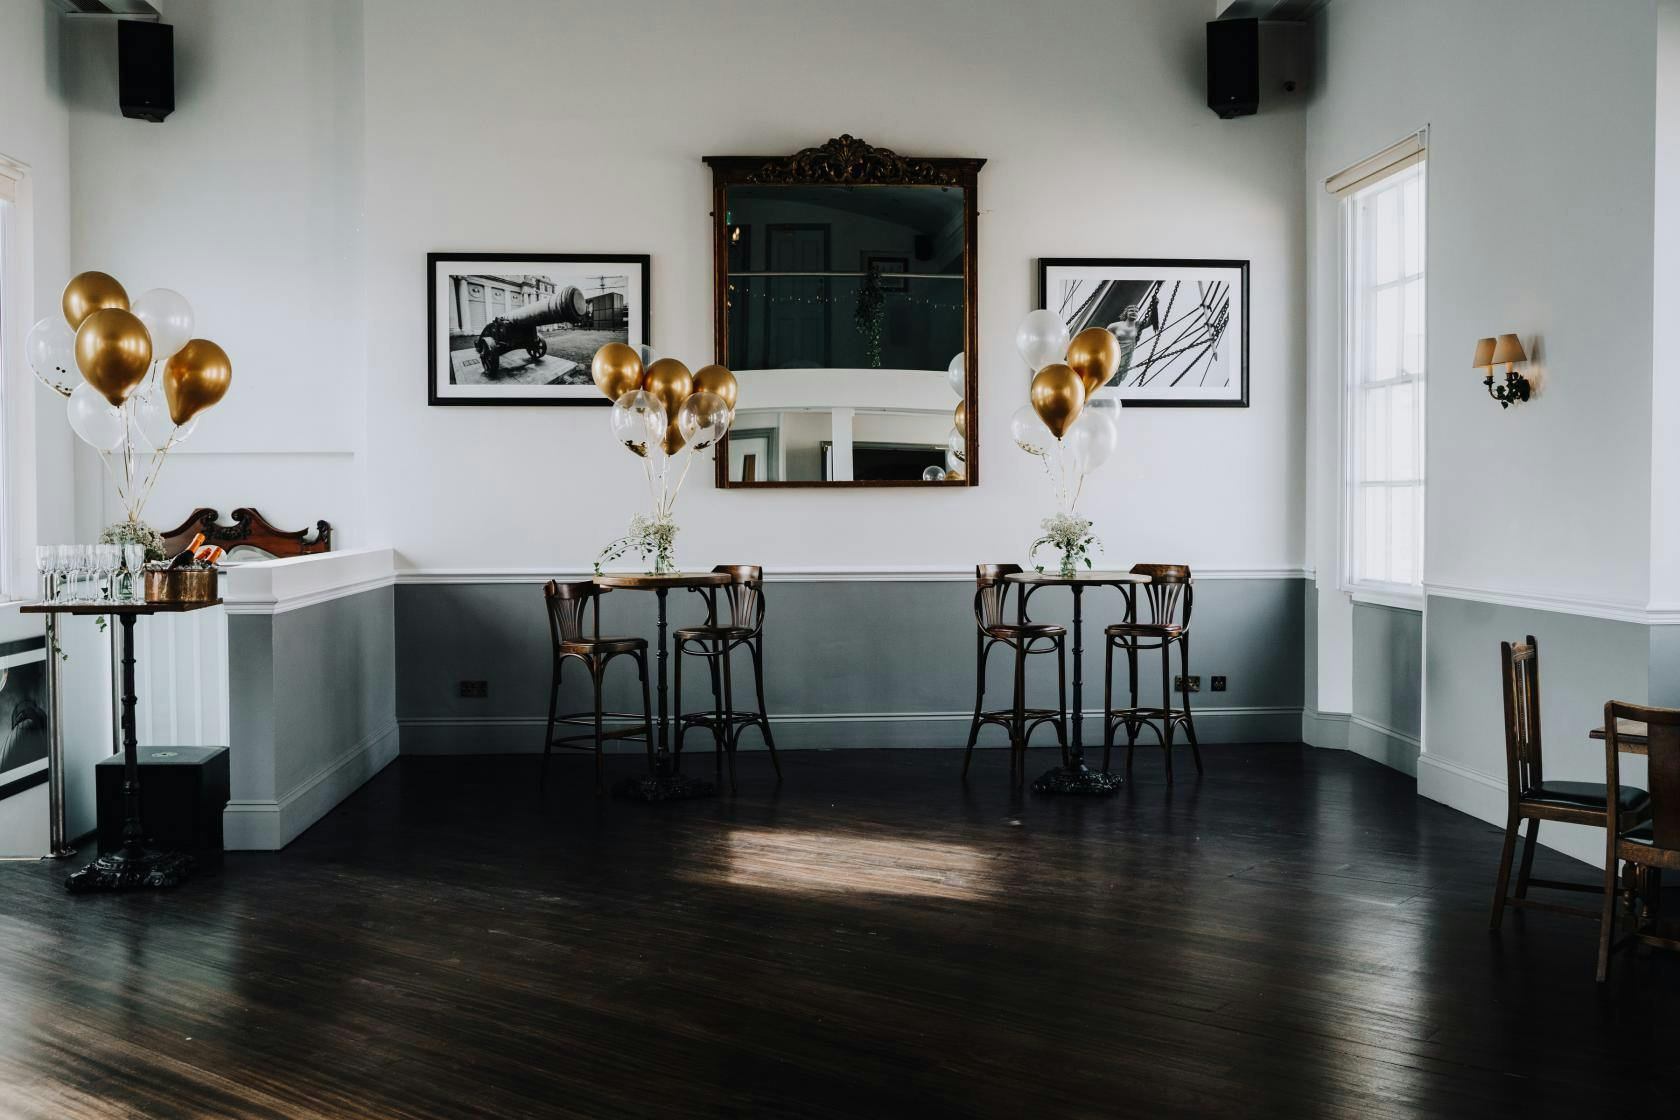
247	199
1091	114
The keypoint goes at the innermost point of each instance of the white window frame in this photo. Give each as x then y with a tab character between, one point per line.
1384	592
17	413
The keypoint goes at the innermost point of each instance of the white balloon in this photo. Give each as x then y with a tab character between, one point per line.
94	419
952	463
51	350
1029	432
702	419
1042	339
1090	440
956	376
151	420
957	445
168	318
638	421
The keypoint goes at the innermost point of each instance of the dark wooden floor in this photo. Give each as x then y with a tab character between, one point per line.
1295	935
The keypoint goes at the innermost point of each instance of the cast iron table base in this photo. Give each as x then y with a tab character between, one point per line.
124	870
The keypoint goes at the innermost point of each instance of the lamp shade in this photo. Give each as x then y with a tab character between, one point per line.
1509	349
1484	353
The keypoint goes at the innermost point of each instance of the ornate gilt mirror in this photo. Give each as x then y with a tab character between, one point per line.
844	286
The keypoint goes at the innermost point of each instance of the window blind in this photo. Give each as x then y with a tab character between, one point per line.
1395	157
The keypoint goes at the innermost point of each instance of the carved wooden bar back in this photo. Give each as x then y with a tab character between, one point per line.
249	530
991	594
744	598
567	603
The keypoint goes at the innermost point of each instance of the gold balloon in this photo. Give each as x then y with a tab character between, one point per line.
717	379
669	382
90	292
961	418
1094	354
617	370
1057	395
196	377
953	476
673	440
113	351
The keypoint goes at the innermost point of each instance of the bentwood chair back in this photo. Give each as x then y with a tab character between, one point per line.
1648	840
568	607
735	622
1025	638
1531	797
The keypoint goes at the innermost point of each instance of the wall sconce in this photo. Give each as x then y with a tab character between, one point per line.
1508	349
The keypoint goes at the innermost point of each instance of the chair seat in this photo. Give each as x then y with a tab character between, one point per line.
590	646
713	633
1585	795
1017	630
1144	630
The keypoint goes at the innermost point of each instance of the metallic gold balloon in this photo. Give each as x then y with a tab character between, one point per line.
196	377
673	440
953	476
961	418
668	382
90	292
717	379
617	370
1094	354
1057	395
113	351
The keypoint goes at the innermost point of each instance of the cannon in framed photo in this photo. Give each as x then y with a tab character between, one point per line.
518	330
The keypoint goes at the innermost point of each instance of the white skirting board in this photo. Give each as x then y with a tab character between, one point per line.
268	826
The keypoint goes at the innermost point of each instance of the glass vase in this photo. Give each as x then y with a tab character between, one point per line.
1070	565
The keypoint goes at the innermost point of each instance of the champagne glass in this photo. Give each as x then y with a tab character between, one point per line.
83	560
64	563
44	559
107	559
135	556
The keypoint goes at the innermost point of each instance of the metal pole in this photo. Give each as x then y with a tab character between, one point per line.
58	841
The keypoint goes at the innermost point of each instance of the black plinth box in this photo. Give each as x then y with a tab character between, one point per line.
183	791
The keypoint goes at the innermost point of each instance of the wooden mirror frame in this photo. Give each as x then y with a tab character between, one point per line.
848	161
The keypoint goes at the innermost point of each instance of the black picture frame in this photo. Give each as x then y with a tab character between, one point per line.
1135	270
25	715
442	388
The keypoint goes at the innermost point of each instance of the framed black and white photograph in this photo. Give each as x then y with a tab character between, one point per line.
1190	319
522	328
24	723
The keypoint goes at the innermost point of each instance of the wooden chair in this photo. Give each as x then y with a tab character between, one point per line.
567	603
740	624
1025	638
249	530
1531	797
1648	840
1171	596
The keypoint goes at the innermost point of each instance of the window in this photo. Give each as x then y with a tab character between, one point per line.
1385	377
17	506
9	347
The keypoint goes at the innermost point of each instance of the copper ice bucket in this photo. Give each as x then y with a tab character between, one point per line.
181	585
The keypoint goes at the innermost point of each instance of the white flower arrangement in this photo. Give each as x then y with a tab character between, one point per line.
1071	535
648	536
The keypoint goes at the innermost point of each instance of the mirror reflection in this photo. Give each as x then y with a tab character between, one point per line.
845	312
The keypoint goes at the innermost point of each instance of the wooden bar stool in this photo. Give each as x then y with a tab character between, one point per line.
741	623
567	603
1026	638
1532	798
1170	596
1648	848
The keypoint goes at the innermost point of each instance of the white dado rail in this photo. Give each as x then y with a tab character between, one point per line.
295	675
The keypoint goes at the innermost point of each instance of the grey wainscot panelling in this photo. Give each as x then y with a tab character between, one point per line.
849	663
1583	662
1387	716
312	711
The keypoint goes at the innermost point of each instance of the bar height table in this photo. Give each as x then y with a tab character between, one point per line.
133	864
663	782
1076	777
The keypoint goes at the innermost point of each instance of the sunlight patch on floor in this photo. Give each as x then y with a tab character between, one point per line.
830	863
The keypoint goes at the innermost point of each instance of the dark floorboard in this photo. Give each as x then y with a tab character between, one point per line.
1295	935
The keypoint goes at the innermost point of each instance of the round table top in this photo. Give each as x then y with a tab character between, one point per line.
647	581
1077	577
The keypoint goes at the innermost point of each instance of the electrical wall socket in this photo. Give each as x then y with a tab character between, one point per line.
1195	684
475	690
1219	684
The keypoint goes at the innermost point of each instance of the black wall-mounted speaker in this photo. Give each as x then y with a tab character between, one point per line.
1233	67
145	69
